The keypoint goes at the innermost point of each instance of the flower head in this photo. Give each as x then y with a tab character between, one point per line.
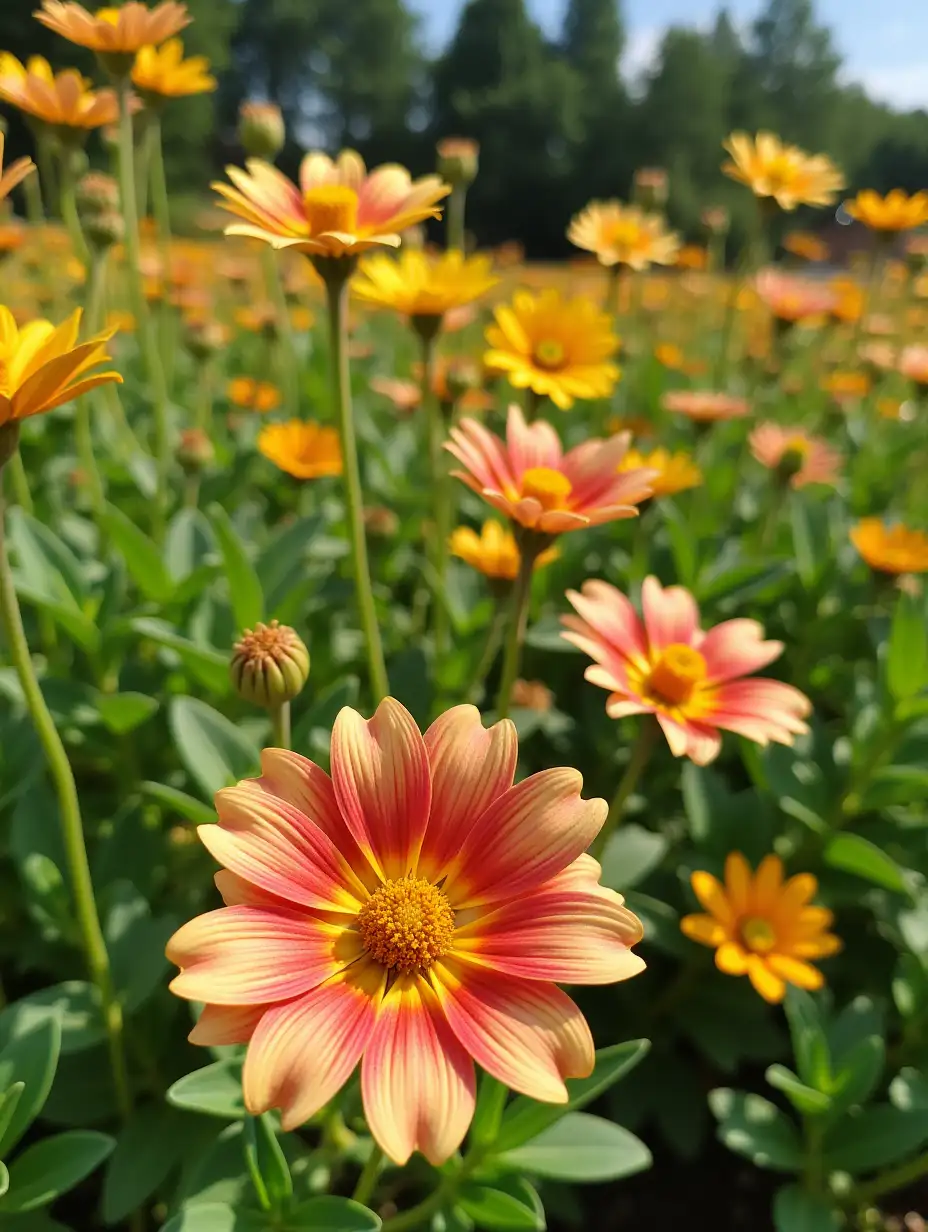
412	912
913	364
897	211
252	395
693	682
339	209
784	172
805	245
270	664
762	926
847	386
494	552
15	173
530	479
559	348
305	450
623	235
790	298
705	405
802	458
891	549
120	30
674	472
63	100
418	285
165	73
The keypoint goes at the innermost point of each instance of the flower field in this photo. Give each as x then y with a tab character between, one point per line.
463	721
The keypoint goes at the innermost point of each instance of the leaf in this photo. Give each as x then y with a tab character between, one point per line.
859	1073
214	751
76	1006
146	1150
9	1102
217	1217
30	1058
331	1214
907	653
206	664
175	801
581	1148
187	544
216	1090
53	1166
143	560
753	1127
631	853
856	855
266	1161
124	712
245	593
795	1210
875	1137
4	1179
909	1090
805	1100
517	1206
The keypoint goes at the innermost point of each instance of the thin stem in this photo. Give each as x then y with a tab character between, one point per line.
35	210
813	1175
204	395
440	493
290	376
364	1189
490	651
45	156
641	753
72	831
337	295
889	1181
418	1215
83	426
68	203
20	483
515	635
455	234
153	152
533	403
280	725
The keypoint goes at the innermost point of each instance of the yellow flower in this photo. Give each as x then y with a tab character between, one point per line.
14	174
761	926
809	247
419	285
897	211
305	450
557	348
675	472
43	366
167	74
121	30
784	172
494	552
669	355
846	385
64	99
891	549
252	395
623	235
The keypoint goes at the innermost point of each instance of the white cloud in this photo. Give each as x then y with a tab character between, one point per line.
641	48
901	86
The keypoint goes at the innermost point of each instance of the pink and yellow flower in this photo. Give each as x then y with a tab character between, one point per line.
692	681
411	912
793	299
705	405
530	479
804	458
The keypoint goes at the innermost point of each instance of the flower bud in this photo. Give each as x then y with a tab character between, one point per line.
261	130
270	665
194	450
715	219
96	192
381	522
650	187
458	160
204	338
104	229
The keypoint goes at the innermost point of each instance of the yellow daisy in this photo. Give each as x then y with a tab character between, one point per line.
418	285
784	172
623	235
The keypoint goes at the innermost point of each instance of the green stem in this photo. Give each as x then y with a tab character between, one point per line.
440	492
83	426
204	396
45	156
640	756
280	725
813	1179
291	365
72	831
418	1215
68	203
337	295
515	634
533	403
490	651
367	1181
162	213
889	1181
35	210
455	234
20	481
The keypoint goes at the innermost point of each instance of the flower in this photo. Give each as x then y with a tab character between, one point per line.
705	405
42	366
419	285
339	209
458	159
412	912
494	552
15	172
252	395
669	355
270	664
846	386
165	73
530	479
897	211
913	364
803	244
784	172
623	235
762	926
121	30
63	100
891	549
849	300
802	458
790	298
693	682
261	129
673	472
532	695
692	257
305	450
558	348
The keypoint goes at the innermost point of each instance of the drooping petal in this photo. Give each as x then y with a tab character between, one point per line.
220	1025
770	986
795	971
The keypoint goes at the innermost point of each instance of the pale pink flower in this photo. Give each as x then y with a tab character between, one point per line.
809	458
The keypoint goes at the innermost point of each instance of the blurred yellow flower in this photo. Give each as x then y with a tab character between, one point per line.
891	549
63	100
419	285
669	355
494	552
803	244
165	73
845	386
114	30
15	172
784	172
693	257
252	395
897	211
675	472
623	235
303	449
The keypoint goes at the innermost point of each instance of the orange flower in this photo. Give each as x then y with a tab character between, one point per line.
692	257
846	386
121	30
705	405
62	100
304	450
803	458
252	395
669	355
809	247
848	302
895	212
913	364
891	549
494	552
15	173
784	172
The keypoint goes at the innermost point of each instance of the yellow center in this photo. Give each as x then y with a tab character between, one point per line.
758	935
331	207
110	16
549	353
407	924
550	488
624	235
676	673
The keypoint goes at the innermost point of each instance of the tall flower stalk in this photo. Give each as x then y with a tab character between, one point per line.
427	329
530	547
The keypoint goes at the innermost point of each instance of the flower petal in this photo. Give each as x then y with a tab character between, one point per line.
770	986
795	971
220	1025
670	615
703	928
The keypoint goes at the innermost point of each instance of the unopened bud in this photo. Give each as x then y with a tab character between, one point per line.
381	521
715	219
194	450
104	229
270	665
203	339
458	160
261	130
650	187
96	191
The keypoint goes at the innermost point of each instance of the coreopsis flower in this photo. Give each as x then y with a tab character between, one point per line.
120	31
809	247
696	683
559	348
623	235
799	457
673	472
792	299
530	480
494	552
891	549
63	100
251	395
418	285
784	172
705	405
270	664
762	926
913	364
164	73
42	366
411	913
897	211
15	173
303	449
339	209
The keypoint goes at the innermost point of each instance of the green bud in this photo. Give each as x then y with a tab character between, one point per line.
270	665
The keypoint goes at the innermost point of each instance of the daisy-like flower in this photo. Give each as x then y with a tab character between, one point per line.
164	73
494	552
847	386
891	549
705	405
252	395
694	682
913	364
897	211
801	458
63	100
418	285
808	247
623	235
305	450
42	366
122	31
849	300
412	912
762	926
674	472
784	172
530	479
15	173
558	348
792	299
339	209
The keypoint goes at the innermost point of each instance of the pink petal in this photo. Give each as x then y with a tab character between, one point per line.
611	620
671	616
530	445
736	648
220	1025
483	454
699	742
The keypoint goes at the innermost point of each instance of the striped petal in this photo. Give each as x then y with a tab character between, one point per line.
221	1025
670	615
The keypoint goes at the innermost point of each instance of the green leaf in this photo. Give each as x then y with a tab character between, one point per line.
143	560
9	1102
810	1043
580	1148
4	1179
174	801
79	627
907	653
149	1146
217	1217
753	1127
245	592
859	1073
214	751
909	1091
525	1118
266	1161
216	1090
805	1100
330	1214
124	712
30	1058
795	1210
631	853
515	1207
53	1166
856	855
205	664
875	1137
44	561
187	544
76	1006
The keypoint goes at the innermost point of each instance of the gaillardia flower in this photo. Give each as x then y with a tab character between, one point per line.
15	173
762	926
891	549
799	457
412	912
418	285
339	209
164	73
784	172
558	348
694	682
791	298
494	552
623	235
530	479
304	449
122	30
897	211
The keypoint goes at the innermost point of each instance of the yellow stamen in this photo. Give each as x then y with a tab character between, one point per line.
676	673
550	354
550	488
407	924
331	207
758	935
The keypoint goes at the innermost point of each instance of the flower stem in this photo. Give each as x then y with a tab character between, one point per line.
290	376
68	206
72	831
337	296
364	1189
890	1180
490	651
455	234
83	426
280	725
641	753
515	634
440	493
20	483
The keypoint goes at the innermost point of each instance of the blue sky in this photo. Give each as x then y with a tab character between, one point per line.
885	45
